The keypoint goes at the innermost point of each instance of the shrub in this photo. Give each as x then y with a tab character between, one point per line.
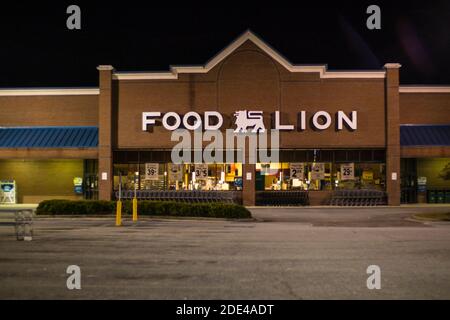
68	207
145	208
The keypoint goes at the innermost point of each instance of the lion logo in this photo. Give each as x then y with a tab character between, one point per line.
252	119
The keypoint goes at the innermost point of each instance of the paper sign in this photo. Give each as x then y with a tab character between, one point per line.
348	171
175	172
318	171
297	171
151	171
201	171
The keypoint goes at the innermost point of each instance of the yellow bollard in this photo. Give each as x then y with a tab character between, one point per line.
119	213
135	213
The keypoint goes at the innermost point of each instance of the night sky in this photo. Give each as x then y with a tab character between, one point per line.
38	50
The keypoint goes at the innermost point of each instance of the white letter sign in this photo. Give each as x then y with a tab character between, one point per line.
146	121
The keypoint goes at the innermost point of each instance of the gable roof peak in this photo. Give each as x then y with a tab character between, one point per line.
249	35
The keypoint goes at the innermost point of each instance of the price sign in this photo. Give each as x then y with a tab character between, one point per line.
318	171
151	171
201	171
348	171
175	172
297	171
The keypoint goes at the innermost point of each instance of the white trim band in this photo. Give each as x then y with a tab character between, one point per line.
424	89
49	92
145	76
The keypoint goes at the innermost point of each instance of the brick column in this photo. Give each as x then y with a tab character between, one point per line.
105	166
248	185
392	134
248	188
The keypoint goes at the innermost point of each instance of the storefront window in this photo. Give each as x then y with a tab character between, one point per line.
319	176
313	170
272	176
366	176
126	174
168	176
213	177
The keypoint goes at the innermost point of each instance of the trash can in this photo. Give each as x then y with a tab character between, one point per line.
24	225
431	196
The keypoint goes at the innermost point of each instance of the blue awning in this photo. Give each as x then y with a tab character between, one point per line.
87	137
424	135
49	137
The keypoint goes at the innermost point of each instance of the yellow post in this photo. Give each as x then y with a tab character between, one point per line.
119	213
135	213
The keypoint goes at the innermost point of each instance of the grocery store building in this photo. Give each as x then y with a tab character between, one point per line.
343	134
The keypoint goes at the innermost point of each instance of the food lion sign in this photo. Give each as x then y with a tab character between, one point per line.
247	123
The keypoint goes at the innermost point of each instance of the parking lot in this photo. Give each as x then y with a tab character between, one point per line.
283	254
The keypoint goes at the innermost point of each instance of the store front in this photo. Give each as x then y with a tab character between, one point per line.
306	170
330	134
323	170
426	180
425	163
43	163
154	170
35	180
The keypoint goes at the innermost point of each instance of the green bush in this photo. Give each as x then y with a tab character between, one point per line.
145	208
68	207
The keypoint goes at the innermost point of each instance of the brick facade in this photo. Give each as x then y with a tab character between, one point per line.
246	75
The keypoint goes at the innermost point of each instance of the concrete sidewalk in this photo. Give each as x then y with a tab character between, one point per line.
347	216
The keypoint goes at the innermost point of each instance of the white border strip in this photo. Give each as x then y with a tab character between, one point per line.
424	89
49	92
248	35
145	76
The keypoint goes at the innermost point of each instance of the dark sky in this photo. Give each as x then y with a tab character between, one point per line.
38	50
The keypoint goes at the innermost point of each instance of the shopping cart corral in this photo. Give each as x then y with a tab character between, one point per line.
282	198
21	218
193	196
358	197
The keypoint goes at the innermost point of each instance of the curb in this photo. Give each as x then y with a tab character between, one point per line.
146	218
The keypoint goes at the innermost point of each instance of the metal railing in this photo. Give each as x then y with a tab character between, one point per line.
192	196
359	197
282	198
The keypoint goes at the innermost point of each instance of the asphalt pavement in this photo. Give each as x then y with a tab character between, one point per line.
283	254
